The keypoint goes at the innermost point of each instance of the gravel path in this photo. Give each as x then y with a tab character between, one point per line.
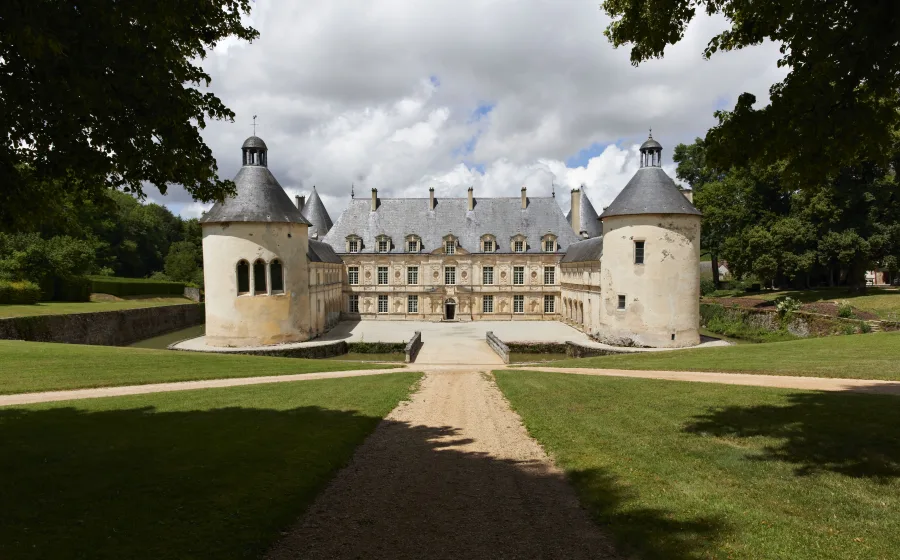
451	474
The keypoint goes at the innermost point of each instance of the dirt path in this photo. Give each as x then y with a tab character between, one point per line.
783	381
451	474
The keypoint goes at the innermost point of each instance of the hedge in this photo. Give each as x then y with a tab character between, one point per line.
121	287
76	288
24	292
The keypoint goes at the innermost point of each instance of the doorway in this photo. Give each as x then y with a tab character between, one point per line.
449	310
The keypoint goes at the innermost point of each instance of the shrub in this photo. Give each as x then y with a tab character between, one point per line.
845	310
23	292
122	287
76	288
707	286
786	306
865	327
849	329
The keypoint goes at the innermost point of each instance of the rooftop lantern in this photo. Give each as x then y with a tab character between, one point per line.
651	152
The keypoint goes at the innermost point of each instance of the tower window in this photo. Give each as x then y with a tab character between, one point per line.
638	252
259	278
621	302
276	276
243	277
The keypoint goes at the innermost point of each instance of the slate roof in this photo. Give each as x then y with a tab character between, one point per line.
501	217
321	252
650	191
587	250
651	143
259	198
314	211
254	142
590	222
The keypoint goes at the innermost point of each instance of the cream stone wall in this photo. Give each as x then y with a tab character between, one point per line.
325	288
467	293
249	320
662	296
580	294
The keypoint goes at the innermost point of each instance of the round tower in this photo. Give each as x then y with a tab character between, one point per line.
255	267
650	269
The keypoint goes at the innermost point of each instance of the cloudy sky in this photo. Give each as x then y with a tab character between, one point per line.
495	94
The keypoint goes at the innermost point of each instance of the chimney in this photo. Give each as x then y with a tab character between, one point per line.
374	199
471	198
688	194
301	202
431	198
524	199
576	211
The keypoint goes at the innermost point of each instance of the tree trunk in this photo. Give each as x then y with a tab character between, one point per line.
714	263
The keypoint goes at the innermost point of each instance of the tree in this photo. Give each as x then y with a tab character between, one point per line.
839	103
182	262
101	93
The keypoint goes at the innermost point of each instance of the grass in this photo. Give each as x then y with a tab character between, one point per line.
523	357
213	473
865	356
683	471
65	307
374	357
42	366
709	333
884	302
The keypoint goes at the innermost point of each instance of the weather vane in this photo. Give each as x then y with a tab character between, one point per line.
254	125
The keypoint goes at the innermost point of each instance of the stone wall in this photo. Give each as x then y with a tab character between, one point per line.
105	328
412	349
337	348
497	345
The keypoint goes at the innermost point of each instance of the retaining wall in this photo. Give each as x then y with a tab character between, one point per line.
336	348
497	345
104	328
413	347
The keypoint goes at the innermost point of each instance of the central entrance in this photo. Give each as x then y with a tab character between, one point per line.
449	310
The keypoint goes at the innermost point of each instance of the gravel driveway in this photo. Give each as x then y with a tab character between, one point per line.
451	474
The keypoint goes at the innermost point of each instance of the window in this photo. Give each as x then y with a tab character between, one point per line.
549	275
487	304
519	246
638	252
412	275
549	304
354	246
259	278
382	304
621	302
412	304
518	275
450	275
450	247
383	245
518	304
243	277
412	246
488	245
382	275
276	276
353	275
549	246
354	303
487	275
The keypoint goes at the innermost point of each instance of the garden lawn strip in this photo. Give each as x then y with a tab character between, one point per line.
214	473
680	470
29	367
66	308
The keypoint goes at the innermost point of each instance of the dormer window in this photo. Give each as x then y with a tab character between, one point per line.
383	244
488	244
354	244
450	245
413	244
548	242
519	246
518	243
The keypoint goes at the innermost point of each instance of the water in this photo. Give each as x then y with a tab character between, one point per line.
164	340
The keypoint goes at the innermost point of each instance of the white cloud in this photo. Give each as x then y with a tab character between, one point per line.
394	95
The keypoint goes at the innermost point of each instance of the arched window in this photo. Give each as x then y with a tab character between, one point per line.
259	278
243	277
276	276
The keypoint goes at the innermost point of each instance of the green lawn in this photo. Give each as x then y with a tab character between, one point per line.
64	308
861	356
213	473
525	357
41	366
366	357
884	302
680	471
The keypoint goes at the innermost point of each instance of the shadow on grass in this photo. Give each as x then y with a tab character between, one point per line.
850	434
229	483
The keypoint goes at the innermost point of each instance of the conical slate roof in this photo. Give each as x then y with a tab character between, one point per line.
315	213
650	191
255	142
590	222
259	198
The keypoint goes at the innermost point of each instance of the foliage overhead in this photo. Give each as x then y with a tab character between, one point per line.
100	93
839	102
